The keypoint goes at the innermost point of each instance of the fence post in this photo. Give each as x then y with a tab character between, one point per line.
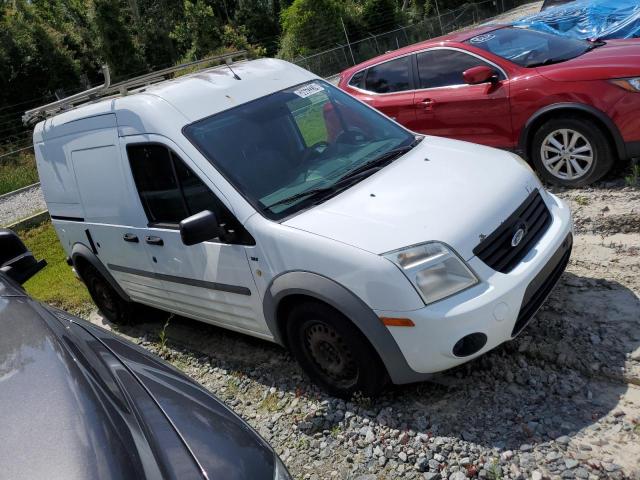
439	19
375	39
348	43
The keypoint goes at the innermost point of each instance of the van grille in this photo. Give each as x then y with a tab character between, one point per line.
500	250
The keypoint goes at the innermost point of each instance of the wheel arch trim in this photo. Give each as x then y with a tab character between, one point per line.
526	134
342	299
81	251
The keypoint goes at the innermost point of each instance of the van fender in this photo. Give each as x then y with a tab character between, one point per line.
81	251
342	299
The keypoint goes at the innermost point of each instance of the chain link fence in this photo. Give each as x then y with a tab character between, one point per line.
330	62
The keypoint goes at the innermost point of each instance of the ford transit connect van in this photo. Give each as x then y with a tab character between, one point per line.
266	201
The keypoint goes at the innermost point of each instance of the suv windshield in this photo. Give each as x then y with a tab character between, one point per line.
529	48
298	146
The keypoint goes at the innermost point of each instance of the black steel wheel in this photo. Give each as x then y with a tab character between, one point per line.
108	301
333	351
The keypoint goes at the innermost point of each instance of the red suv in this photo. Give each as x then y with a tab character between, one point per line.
571	106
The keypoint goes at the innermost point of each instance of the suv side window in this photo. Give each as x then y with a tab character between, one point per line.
170	191
444	68
356	80
388	77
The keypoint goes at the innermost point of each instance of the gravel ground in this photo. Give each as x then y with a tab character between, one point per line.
562	401
21	205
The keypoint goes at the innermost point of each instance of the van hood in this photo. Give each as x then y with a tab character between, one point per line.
445	190
616	59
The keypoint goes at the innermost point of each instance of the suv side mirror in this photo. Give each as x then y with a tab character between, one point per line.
480	74
16	261
199	228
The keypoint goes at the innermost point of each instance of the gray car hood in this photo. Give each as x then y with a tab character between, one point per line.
78	402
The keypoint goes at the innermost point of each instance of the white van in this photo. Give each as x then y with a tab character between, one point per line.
264	200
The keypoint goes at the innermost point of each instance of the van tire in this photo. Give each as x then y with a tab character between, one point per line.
109	302
589	134
333	352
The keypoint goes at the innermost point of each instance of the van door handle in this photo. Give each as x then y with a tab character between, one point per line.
154	241
130	237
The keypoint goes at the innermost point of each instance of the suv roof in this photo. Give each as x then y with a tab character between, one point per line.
452	38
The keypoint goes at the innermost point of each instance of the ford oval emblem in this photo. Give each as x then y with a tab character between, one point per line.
517	237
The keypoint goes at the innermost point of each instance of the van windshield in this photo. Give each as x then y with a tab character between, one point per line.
298	147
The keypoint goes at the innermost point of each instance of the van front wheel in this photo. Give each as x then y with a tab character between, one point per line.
333	352
110	304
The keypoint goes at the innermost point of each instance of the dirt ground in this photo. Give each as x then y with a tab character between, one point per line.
560	401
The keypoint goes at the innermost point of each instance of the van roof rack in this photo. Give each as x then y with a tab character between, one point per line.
121	88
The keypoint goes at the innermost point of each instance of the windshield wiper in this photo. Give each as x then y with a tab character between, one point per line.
340	185
350	177
595	44
546	61
314	192
380	161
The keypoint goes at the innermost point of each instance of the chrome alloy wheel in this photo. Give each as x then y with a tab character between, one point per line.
567	154
331	354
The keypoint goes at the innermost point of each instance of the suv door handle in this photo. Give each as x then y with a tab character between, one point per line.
427	103
154	241
130	237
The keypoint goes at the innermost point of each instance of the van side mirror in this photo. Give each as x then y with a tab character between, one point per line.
16	261
199	228
480	74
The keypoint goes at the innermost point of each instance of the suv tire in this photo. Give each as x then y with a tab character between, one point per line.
333	352
571	152
109	302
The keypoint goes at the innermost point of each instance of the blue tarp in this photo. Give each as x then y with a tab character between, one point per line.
589	19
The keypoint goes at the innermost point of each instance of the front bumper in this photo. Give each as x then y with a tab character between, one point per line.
499	307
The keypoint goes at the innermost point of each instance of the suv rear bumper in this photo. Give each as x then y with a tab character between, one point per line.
497	309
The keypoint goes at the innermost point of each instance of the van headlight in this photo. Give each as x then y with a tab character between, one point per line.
434	269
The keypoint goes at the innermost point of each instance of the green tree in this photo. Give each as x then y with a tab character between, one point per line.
259	18
118	47
380	15
310	25
200	30
35	61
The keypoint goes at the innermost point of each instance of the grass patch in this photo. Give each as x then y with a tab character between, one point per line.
233	386
582	200
270	403
633	180
56	283
163	336
17	172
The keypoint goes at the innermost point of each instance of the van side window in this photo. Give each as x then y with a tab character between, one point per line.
157	185
170	191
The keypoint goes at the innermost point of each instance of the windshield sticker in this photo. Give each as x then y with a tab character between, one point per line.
483	38
308	90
